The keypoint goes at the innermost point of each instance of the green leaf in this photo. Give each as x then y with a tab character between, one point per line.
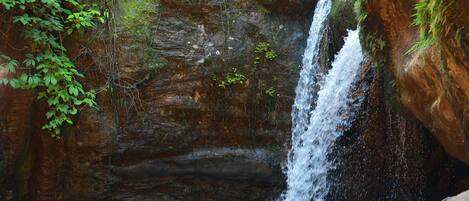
73	111
15	83
63	108
72	90
47	79
24	19
24	78
53	81
50	114
53	101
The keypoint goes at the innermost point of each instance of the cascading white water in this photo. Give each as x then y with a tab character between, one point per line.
314	132
308	77
310	69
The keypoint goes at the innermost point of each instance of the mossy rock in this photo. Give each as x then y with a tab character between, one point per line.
342	14
289	7
342	17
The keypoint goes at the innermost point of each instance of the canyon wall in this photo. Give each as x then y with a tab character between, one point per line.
170	126
433	82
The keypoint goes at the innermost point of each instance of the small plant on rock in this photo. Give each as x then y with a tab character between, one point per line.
272	92
264	52
232	78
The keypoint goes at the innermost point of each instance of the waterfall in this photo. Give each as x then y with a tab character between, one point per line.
315	131
308	77
309	70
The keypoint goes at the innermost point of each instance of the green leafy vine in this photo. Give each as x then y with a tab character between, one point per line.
46	66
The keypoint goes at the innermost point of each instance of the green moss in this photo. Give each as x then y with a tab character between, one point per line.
373	42
342	18
342	15
136	21
137	17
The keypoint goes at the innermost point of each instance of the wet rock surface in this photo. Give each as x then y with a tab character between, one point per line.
165	128
432	83
186	109
204	175
388	155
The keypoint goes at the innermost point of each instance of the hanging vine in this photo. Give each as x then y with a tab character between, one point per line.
46	66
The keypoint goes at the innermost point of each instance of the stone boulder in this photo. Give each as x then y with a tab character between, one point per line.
461	197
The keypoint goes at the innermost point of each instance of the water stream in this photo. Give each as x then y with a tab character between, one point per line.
315	129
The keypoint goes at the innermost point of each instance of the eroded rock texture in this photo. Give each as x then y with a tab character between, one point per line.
433	83
387	154
166	128
184	110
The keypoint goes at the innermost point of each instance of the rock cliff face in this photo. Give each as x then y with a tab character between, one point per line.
388	155
432	83
427	85
170	126
198	138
